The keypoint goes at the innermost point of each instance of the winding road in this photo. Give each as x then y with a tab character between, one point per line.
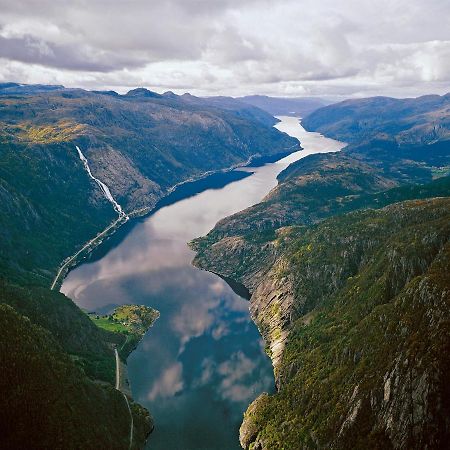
124	396
69	261
123	217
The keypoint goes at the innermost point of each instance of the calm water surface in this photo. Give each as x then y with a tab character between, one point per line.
203	362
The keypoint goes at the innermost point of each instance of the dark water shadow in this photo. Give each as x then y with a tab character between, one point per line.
262	160
237	288
183	191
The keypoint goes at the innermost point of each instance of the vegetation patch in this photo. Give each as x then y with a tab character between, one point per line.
63	131
132	321
439	172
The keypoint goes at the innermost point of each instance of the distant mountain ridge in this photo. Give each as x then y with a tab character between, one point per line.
18	88
408	121
285	106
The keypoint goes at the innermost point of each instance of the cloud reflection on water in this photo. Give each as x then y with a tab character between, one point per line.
169	383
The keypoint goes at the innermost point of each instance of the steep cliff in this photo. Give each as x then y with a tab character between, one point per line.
354	312
364	300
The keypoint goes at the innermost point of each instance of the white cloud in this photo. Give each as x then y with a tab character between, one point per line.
286	47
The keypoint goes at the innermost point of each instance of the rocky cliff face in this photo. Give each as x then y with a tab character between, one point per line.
355	315
367	352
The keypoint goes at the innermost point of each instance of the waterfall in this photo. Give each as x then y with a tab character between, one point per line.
103	187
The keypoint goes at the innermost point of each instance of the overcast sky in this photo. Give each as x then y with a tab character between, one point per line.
231	47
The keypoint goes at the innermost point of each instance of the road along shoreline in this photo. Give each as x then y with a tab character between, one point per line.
74	260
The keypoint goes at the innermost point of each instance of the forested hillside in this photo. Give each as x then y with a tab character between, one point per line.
347	260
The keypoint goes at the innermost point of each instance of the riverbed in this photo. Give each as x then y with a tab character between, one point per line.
203	361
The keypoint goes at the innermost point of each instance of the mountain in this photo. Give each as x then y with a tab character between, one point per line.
365	361
347	261
317	187
75	165
16	88
279	106
407	121
140	145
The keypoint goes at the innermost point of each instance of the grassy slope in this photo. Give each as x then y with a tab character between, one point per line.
89	346
344	268
50	207
130	321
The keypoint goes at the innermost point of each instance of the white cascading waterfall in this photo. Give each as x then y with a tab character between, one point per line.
103	187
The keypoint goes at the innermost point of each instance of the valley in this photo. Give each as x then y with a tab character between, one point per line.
339	252
203	353
224	225
55	204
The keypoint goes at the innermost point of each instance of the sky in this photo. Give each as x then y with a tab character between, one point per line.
289	48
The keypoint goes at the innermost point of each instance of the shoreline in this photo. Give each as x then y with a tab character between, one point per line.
74	260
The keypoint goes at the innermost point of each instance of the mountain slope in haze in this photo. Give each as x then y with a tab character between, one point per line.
279	106
406	121
351	296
